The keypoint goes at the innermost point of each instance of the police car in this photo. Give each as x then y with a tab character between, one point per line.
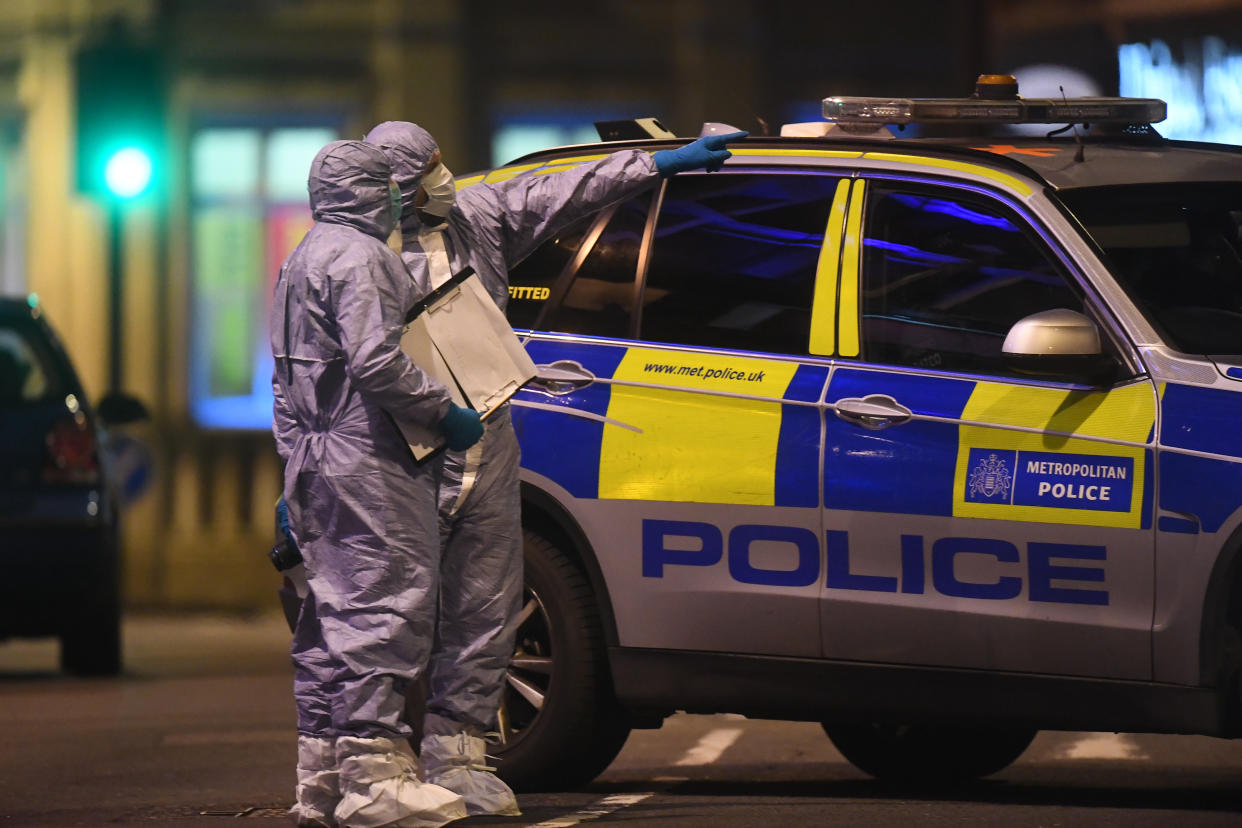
934	440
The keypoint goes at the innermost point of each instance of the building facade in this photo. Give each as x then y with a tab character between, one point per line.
254	87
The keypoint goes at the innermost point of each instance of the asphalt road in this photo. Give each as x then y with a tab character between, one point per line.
201	729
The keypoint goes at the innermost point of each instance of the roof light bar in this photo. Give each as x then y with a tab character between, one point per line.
875	111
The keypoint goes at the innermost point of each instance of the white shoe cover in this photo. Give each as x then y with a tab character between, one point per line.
380	788
317	791
458	762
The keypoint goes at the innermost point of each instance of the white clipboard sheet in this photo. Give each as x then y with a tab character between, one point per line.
458	335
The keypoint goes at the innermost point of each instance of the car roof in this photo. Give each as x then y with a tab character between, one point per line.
11	306
1113	160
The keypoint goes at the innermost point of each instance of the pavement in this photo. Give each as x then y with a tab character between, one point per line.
201	723
200	732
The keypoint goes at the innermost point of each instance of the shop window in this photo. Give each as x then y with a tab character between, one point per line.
249	208
1201	86
515	140
14	185
522	132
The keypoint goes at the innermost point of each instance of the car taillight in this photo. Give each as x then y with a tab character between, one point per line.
71	452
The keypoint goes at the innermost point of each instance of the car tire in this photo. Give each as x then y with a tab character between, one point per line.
93	646
925	753
90	644
560	723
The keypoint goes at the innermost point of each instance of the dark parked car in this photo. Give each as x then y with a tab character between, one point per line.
58	511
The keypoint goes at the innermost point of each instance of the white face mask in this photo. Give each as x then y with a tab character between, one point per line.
441	191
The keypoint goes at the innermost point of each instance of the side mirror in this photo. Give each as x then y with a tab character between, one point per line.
1058	343
117	408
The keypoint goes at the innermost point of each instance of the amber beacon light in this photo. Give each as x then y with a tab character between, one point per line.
996	87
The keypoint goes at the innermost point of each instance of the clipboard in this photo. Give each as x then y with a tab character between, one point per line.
460	337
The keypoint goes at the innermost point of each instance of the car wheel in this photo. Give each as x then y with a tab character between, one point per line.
92	646
926	753
560	724
90	643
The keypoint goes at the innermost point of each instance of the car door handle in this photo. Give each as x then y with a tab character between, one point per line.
562	377
874	411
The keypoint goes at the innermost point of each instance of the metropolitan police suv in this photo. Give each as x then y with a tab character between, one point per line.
934	440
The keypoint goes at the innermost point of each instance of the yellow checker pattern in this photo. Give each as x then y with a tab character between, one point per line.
1126	414
694	447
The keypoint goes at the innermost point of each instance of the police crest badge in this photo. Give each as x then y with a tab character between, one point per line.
991	478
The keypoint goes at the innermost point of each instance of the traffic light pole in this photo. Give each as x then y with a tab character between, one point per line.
116	310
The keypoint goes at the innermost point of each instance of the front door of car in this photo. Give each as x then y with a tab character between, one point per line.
696	442
977	517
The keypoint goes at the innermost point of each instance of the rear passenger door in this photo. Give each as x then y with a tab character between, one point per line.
977	517
695	470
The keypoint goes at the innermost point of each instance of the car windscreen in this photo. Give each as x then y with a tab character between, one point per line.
1177	250
27	371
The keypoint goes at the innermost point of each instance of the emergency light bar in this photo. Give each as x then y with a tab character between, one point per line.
995	101
1022	111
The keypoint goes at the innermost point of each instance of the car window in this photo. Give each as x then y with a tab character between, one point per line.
1177	250
600	297
24	375
531	280
945	274
596	297
734	258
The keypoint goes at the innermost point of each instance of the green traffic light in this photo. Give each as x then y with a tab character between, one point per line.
128	172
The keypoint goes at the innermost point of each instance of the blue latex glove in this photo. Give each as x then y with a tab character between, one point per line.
462	427
285	554
282	517
707	153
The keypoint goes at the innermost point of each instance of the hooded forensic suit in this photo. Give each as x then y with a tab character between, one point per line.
490	228
364	514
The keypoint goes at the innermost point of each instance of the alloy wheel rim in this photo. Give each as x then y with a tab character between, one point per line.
529	674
